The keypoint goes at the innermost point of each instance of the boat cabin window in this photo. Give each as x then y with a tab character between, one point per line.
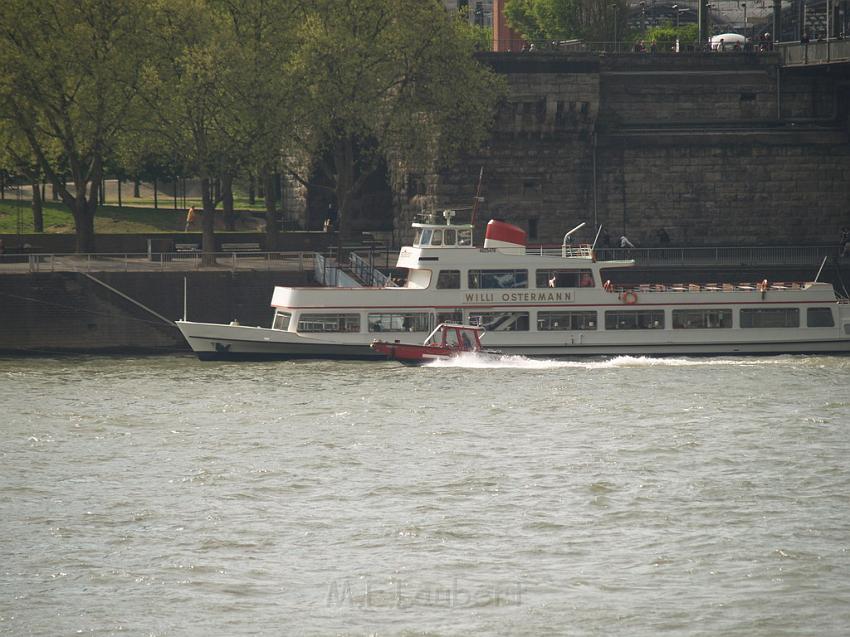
487	279
450	317
329	323
500	321
552	321
441	237
565	278
448	280
771	317
281	321
819	317
400	322
452	338
699	319
634	320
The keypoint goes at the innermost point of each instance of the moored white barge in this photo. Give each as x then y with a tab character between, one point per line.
533	303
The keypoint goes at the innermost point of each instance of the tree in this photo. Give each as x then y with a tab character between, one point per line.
260	41
72	70
593	21
16	155
386	80
185	91
666	35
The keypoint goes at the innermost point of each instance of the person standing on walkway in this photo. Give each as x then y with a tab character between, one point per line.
191	215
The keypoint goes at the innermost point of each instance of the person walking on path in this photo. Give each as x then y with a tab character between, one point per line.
191	215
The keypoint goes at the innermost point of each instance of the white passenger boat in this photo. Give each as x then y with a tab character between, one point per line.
533	302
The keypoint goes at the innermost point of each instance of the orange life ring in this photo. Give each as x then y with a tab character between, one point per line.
630	298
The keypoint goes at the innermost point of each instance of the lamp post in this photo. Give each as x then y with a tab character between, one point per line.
675	8
708	8
744	7
828	32
614	6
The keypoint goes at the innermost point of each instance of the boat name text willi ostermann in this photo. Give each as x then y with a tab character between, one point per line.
517	297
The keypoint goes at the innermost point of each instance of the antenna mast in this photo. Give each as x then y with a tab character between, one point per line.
477	197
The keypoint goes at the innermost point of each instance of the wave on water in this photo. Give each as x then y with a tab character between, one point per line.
488	361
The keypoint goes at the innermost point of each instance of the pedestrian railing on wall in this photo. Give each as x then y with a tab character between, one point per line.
327	270
814	53
156	261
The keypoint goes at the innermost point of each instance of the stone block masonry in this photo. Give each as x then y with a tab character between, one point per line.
715	149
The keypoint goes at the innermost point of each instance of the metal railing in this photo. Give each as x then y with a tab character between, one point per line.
305	261
366	271
326	272
155	261
629	46
720	255
813	53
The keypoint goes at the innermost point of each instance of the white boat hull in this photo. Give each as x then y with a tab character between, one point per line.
213	341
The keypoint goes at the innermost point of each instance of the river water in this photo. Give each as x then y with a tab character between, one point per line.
630	496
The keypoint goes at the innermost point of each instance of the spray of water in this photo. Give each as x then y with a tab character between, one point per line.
477	361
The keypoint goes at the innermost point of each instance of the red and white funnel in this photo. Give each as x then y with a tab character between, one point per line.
504	235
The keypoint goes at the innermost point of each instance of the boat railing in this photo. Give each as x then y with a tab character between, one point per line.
583	251
326	271
714	255
155	261
746	286
720	255
366	271
459	216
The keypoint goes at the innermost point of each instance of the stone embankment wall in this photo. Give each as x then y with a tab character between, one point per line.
68	312
715	149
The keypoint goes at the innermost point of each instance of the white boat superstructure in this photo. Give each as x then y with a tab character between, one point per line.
534	302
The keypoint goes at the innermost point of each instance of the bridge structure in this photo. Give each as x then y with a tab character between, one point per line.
818	53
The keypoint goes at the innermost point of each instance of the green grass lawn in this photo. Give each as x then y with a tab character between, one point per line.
109	219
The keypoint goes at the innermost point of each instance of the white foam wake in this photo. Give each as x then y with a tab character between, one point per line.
488	361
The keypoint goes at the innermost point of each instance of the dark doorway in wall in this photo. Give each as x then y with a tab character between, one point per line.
532	228
371	208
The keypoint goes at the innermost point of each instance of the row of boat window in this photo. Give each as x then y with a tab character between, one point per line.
560	320
442	237
504	279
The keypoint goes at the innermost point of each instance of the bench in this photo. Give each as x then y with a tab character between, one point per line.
186	250
240	247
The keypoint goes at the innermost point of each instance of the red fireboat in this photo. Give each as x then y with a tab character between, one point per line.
448	340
